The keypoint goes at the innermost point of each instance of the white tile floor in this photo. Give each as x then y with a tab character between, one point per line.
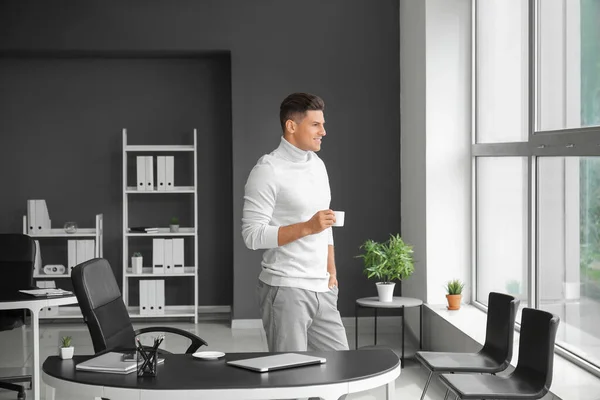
16	350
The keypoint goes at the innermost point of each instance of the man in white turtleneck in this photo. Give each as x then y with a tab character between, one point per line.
286	212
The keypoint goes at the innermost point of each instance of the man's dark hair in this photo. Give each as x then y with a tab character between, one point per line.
297	104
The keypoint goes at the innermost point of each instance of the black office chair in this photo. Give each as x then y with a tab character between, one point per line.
532	377
496	353
104	312
17	256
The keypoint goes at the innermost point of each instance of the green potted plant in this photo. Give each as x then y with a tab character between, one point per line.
174	225
454	290
66	349
136	262
388	261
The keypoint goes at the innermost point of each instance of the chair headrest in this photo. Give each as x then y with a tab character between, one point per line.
96	279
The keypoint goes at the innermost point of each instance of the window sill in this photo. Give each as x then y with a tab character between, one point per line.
569	381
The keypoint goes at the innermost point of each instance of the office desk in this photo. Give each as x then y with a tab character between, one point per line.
184	377
16	301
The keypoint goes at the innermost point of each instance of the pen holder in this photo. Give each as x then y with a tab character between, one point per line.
147	361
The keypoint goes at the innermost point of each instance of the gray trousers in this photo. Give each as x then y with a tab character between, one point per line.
300	320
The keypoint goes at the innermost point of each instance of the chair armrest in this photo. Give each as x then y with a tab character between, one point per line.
197	342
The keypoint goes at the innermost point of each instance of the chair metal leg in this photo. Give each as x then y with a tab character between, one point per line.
427	385
447	393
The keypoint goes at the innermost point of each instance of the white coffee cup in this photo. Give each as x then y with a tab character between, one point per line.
339	218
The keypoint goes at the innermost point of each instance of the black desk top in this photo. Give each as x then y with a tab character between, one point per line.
10	296
184	372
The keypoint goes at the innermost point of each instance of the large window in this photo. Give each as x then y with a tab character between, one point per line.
569	249
502	226
568	45
502	71
537	162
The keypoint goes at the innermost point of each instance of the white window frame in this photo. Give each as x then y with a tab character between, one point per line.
577	142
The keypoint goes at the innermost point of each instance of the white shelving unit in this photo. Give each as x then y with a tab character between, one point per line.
97	233
190	271
165	232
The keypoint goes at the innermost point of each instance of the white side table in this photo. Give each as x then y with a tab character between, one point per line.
397	302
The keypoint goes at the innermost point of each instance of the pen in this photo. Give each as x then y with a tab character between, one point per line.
160	340
153	356
141	350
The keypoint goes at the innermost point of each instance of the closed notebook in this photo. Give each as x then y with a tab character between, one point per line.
46	292
112	363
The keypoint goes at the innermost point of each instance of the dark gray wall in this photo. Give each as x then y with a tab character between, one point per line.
345	51
60	123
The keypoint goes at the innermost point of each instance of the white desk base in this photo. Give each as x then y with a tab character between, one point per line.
326	392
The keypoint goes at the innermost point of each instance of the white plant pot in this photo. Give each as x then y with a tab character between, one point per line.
136	264
66	353
385	291
174	228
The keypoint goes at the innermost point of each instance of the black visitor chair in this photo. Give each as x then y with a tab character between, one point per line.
496	353
532	377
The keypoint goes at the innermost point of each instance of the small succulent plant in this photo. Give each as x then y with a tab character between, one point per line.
66	341
454	287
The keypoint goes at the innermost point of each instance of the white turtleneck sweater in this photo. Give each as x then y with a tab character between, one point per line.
286	187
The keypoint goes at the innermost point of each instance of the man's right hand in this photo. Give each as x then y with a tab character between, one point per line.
320	221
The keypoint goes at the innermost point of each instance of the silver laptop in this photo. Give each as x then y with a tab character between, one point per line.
278	361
